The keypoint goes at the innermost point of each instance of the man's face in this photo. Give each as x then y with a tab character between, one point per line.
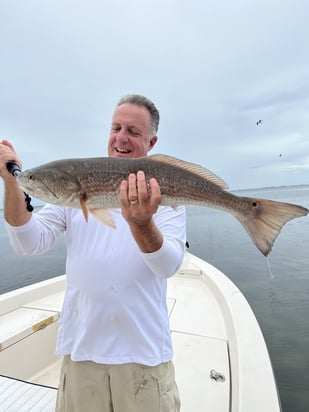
130	134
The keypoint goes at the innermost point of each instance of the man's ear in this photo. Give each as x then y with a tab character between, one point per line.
152	142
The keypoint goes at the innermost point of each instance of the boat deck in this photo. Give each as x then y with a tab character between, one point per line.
207	348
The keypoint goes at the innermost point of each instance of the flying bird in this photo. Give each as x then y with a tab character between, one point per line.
259	122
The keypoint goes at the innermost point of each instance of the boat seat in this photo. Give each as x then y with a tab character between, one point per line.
28	319
22	322
17	395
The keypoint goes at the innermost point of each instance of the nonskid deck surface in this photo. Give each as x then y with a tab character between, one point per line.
20	396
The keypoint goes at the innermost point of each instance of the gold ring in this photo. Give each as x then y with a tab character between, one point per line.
133	202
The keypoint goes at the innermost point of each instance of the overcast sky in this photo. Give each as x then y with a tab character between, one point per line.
213	68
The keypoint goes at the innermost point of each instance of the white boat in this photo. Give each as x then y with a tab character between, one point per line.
221	359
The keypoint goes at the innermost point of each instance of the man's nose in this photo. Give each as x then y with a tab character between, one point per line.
122	136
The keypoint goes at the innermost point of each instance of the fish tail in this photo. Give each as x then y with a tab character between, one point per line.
267	220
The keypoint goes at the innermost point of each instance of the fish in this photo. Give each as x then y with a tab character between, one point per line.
92	184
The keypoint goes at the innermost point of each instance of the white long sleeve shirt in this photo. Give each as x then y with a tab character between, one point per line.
114	309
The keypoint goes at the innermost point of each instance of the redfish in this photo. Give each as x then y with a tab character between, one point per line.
92	184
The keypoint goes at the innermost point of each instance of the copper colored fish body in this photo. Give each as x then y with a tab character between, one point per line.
92	184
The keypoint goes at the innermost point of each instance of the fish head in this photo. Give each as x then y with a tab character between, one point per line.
50	184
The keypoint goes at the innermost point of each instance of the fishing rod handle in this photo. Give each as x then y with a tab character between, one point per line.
13	168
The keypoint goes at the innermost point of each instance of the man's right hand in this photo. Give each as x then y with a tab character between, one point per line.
7	154
15	210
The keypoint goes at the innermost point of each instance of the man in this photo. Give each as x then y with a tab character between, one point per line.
114	331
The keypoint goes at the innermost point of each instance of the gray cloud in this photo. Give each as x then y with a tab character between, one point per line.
213	68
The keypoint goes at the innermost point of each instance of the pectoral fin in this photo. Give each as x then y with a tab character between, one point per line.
83	205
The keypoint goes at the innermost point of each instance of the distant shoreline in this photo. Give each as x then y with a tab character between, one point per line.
271	188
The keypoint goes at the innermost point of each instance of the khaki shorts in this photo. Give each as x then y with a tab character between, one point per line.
131	387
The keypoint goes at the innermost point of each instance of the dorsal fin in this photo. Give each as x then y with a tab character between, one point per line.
191	167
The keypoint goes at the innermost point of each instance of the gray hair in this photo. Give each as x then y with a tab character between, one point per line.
140	100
